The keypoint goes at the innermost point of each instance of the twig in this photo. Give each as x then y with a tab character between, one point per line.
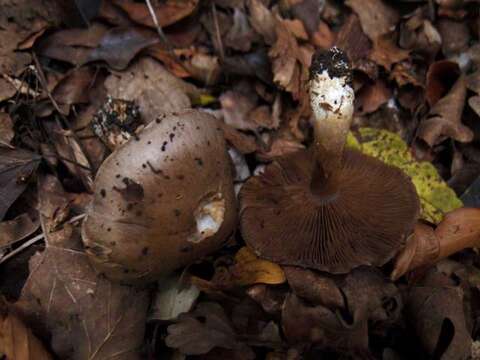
157	25
36	239
43	82
217	32
21	247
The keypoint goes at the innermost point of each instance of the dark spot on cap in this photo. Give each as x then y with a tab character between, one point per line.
113	243
138	213
129	207
177	212
186	248
144	166
199	161
109	229
149	142
132	192
103	193
180	177
158	121
171	136
145	251
334	61
117	176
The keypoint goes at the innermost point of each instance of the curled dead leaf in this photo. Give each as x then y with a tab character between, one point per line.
249	269
17	342
445	118
460	229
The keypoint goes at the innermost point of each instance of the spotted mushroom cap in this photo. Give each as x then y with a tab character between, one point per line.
364	222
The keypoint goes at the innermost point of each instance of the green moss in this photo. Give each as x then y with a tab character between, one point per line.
435	196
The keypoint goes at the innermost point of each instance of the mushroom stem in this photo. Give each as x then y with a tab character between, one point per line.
331	99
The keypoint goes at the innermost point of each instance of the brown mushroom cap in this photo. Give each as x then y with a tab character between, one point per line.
362	219
157	196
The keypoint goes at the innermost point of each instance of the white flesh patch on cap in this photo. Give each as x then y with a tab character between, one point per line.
208	217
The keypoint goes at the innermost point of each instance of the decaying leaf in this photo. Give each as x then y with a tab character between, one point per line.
436	313
436	197
200	331
386	52
441	76
167	13
17	229
6	128
16	340
249	269
86	315
376	17
173	297
16	167
365	296
460	229
445	118
262	20
151	87
372	96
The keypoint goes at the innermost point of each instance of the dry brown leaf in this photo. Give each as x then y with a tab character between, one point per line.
262	21
87	316
17	229
200	331
386	52
203	67
437	315
19	19
372	96
441	76
324	37
249	269
236	107
279	146
167	13
7	90
376	17
240	35
445	118
244	143
16	167
116	46
16	340
455	36
308	11
473	83
296	28
288	65
74	88
151	87
405	73
353	40
6	129
460	229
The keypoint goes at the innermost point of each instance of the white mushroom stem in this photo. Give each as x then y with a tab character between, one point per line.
331	99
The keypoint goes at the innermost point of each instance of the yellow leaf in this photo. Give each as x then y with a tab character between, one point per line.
436	197
249	269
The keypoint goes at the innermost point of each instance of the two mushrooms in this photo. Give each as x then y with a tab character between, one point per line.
165	198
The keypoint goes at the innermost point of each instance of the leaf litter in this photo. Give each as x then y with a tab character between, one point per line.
71	95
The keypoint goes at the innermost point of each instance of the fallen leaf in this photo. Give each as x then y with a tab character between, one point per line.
473	83
270	298
18	21
455	36
6	130
7	90
167	13
244	143
16	167
386	53
437	316
445	118
240	35
308	11
152	88
436	198
74	88
200	331
17	342
288	67
376	17
249	269
17	229
324	37
203	67
296	28
372	96
458	230
87	316
236	107
441	76
262	20
173	297
353	40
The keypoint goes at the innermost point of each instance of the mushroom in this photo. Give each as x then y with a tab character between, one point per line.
162	200
326	207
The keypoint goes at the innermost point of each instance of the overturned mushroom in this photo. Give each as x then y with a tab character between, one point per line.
327	207
162	200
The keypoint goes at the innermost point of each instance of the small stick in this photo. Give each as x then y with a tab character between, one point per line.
35	239
157	25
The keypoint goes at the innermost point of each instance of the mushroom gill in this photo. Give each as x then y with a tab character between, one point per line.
328	208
